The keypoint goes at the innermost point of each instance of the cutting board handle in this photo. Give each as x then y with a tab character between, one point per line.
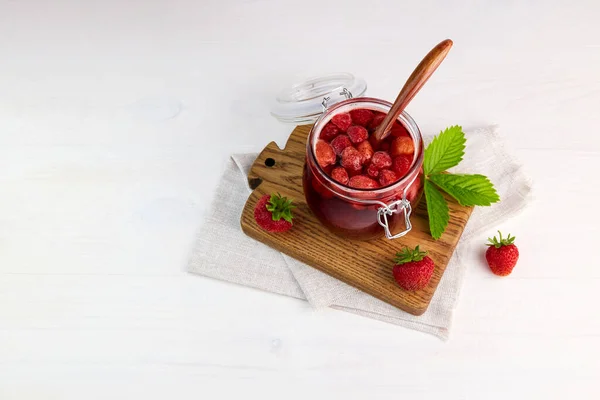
280	166
267	161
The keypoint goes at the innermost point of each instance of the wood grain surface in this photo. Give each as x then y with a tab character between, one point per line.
366	265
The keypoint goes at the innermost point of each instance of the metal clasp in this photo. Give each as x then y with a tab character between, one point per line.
345	92
324	103
390	209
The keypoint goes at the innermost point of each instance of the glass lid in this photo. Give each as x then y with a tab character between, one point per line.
301	103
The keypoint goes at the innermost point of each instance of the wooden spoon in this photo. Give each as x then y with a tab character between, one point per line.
413	84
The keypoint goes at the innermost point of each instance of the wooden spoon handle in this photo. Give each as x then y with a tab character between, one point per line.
415	82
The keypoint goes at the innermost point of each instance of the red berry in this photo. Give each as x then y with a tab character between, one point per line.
343	121
362	182
340	175
273	213
357	134
365	150
340	143
413	269
381	160
502	255
329	131
401	165
372	171
387	177
328	169
376	121
351	159
324	153
399	130
402	145
361	116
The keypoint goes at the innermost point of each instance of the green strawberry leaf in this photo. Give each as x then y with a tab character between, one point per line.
409	255
497	243
445	151
468	190
437	209
280	207
287	215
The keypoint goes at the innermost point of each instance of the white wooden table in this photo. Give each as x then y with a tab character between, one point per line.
101	194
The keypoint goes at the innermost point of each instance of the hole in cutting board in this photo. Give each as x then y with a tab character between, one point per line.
269	162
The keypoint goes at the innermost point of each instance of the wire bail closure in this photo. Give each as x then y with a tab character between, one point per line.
345	92
390	209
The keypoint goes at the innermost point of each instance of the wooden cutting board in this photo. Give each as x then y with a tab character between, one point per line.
364	265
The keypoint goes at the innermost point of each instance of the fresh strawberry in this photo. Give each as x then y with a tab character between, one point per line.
329	131
381	160
340	143
365	150
351	159
401	165
387	177
502	255
362	182
413	269
343	121
324	153
376	121
402	145
273	213
361	116
357	134
339	174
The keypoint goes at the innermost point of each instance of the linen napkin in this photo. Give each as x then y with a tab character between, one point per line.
221	247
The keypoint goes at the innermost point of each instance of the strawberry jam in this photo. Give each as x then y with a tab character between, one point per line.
349	176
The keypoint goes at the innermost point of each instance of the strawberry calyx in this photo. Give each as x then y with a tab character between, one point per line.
497	243
409	255
280	207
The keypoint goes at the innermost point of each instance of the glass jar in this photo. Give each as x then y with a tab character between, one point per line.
363	213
